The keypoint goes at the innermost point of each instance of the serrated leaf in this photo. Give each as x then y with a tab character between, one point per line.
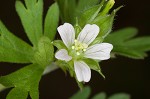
31	18
94	65
126	45
120	96
51	21
101	95
13	49
83	94
45	53
121	35
25	80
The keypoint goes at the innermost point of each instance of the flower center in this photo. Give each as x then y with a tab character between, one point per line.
79	47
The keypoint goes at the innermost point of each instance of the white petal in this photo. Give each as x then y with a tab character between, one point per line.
67	34
99	51
63	55
82	70
88	34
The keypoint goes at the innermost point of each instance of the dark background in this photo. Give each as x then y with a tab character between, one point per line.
122	74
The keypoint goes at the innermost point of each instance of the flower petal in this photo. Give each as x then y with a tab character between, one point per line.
82	70
88	34
63	55
99	51
67	34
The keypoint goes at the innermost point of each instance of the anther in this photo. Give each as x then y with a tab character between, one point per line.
78	53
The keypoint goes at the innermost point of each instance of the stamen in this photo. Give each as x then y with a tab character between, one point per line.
78	53
73	47
75	40
84	50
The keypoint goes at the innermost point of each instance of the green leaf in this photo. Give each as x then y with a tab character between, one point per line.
140	43
45	53
25	81
67	10
101	95
121	35
129	52
105	22
89	15
125	45
94	65
31	18
13	49
83	5
120	96
51	21
17	93
84	94
59	44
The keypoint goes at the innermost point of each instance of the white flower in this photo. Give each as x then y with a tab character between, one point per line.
81	47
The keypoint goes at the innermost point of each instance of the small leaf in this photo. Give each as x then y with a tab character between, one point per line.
51	21
45	52
31	18
140	43
129	52
13	49
25	81
121	35
83	94
120	96
17	93
67	10
105	22
89	15
101	95
94	65
125	45
83	5
59	44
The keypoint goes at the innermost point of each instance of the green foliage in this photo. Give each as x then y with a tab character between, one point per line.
83	5
101	95
25	81
45	52
67	10
85	94
126	45
94	65
59	44
70	9
31	18
13	49
120	96
51	21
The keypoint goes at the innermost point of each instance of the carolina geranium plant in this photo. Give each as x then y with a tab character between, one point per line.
86	40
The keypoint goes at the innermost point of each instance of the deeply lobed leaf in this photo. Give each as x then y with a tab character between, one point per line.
31	18
13	49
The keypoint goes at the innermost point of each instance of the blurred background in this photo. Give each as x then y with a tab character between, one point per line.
122	74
